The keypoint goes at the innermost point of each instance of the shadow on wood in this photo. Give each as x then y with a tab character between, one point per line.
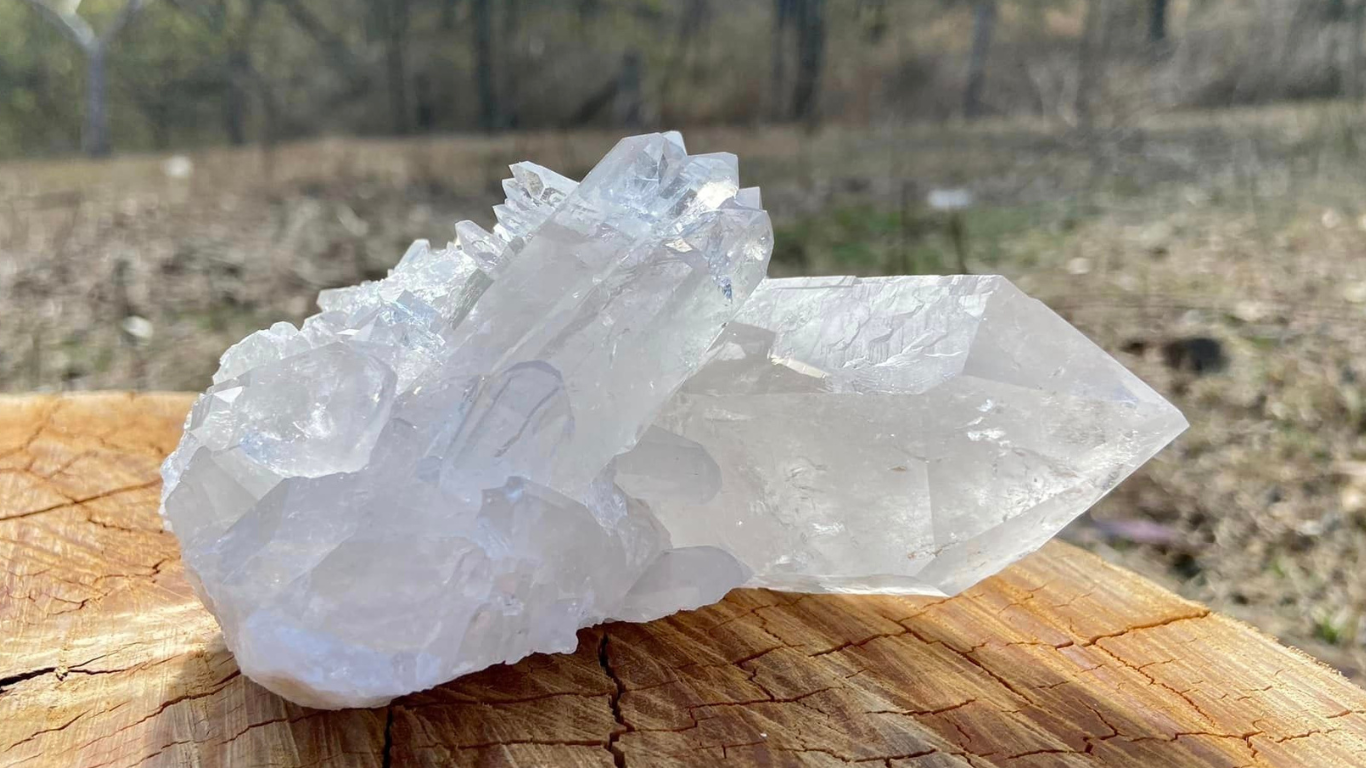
106	658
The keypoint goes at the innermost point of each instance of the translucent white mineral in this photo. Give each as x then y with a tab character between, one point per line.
602	410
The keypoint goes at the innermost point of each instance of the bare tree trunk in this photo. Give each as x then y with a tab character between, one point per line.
1356	67
512	17
983	24
782	19
273	120
1157	22
95	132
235	99
1091	64
629	107
810	58
395	15
483	67
1090	56
690	27
243	81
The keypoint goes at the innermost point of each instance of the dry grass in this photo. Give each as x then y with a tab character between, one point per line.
1243	226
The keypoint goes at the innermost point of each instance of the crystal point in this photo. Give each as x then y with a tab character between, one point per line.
601	410
909	434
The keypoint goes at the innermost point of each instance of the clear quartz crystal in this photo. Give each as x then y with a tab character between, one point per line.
908	434
601	410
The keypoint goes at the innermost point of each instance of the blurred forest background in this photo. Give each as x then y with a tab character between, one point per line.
1185	180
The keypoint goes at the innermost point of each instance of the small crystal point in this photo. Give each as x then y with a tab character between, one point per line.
601	410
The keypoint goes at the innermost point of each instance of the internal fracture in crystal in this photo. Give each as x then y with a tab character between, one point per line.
603	410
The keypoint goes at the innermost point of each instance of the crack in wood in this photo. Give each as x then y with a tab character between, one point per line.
74	502
618	756
8	682
1200	614
387	750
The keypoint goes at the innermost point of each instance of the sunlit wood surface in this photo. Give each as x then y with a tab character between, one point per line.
107	659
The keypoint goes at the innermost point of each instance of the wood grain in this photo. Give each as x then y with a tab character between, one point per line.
106	659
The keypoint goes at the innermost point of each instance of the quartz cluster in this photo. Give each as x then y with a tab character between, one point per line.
603	410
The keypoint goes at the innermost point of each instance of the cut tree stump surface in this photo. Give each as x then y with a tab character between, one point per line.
107	659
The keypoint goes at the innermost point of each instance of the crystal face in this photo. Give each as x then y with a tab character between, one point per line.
602	410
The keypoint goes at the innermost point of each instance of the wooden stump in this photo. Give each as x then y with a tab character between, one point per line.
107	659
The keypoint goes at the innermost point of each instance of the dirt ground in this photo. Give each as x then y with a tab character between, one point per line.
1222	256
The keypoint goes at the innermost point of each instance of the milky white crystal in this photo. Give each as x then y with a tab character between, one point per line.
602	410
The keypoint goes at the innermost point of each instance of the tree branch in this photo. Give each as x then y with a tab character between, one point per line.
332	44
73	25
130	9
212	19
